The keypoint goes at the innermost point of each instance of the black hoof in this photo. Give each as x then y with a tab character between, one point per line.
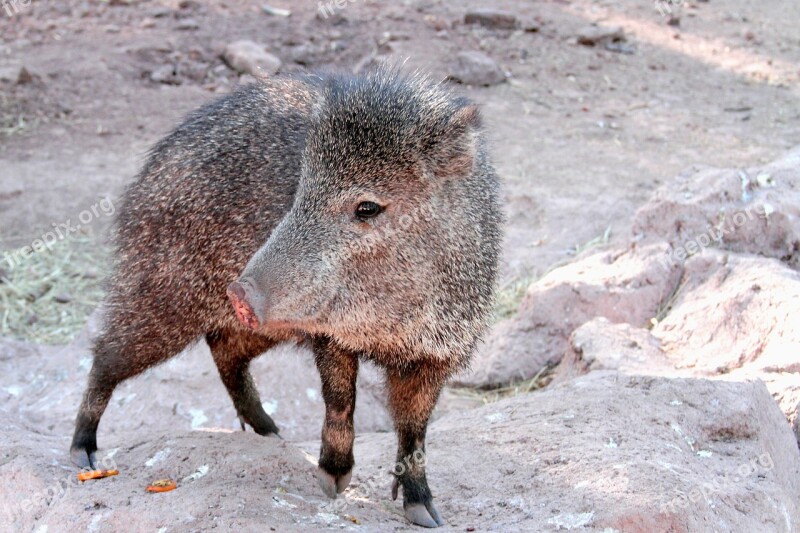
82	458
260	422
424	515
333	485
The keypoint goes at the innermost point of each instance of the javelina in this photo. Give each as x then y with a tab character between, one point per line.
360	215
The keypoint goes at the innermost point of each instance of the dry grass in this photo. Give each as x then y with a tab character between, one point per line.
24	107
511	293
49	295
12	119
539	381
509	296
600	240
665	306
12	124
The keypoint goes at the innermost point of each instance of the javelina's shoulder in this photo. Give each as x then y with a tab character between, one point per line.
256	125
239	155
247	114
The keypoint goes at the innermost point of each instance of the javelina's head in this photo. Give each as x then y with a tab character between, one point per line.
392	240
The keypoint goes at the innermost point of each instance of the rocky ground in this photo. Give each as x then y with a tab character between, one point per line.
657	297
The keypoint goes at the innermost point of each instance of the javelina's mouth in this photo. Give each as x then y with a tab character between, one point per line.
244	311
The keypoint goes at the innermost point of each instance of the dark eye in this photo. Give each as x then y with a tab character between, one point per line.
367	210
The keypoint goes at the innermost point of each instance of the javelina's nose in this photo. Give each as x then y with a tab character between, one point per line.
246	302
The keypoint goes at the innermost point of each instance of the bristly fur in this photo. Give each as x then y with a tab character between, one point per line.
262	183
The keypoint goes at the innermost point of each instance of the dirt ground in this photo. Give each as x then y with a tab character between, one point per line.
581	135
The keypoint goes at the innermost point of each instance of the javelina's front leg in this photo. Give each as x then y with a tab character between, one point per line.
413	392
338	369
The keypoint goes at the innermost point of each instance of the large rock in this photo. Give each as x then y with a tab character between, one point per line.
626	453
716	310
603	345
599	453
728	318
251	58
732	311
737	315
627	286
754	210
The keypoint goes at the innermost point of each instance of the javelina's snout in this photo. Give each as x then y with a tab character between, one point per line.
248	302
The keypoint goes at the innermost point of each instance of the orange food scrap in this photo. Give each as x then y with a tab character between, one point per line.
162	485
353	519
96	474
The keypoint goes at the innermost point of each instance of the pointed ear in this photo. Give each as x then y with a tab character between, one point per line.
453	154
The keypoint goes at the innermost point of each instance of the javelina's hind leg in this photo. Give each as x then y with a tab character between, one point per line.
338	370
124	350
233	351
413	392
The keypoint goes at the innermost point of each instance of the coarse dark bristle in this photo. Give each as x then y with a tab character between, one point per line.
381	112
